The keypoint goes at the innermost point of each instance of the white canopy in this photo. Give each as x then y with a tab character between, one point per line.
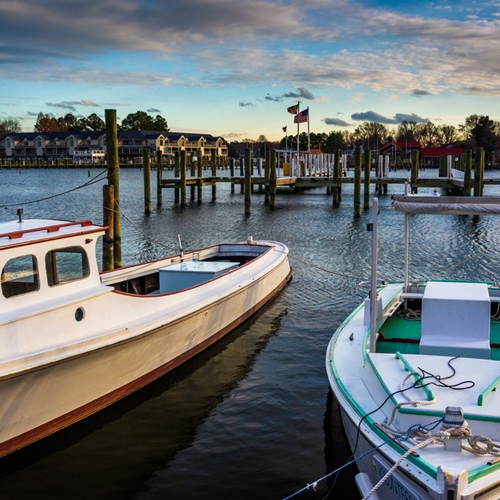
453	205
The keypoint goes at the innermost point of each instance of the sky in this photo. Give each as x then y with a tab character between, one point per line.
231	68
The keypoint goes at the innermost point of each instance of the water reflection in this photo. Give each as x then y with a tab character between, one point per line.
116	452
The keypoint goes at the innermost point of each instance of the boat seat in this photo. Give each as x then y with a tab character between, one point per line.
456	320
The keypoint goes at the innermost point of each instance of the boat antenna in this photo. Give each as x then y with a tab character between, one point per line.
20	214
180	246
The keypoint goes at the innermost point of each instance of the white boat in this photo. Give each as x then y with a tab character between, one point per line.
415	373
73	340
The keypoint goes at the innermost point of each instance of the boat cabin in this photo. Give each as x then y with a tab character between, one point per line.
43	260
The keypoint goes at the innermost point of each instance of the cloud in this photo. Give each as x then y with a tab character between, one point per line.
243	104
142	26
372	116
71	104
273	98
401	117
336	121
419	92
153	110
64	105
302	93
248	42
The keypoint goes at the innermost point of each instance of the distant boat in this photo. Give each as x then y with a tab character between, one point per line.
73	340
415	372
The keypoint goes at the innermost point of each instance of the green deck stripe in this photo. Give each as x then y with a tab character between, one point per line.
490	388
409	368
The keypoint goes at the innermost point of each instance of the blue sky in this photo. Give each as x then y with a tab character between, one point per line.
232	67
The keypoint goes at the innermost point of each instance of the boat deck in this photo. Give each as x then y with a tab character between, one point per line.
394	328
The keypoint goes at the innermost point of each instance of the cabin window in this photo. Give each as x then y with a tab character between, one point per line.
65	265
20	276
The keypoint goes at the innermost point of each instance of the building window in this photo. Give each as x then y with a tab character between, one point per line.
71	142
66	265
7	143
20	276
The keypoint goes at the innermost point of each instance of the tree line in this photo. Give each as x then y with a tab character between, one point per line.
139	120
476	131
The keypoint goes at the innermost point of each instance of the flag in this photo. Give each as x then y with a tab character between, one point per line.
284	129
293	109
301	117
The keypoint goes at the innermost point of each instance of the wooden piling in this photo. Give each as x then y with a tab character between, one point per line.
272	180
368	165
357	182
177	174
146	164
199	165
337	174
415	159
183	178
478	172
213	165
248	181
267	175
468	173
192	172
159	172
114	180
231	173
443	165
108	202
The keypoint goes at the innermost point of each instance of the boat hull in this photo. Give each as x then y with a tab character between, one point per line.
373	466
38	401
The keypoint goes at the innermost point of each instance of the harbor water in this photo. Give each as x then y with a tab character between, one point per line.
252	417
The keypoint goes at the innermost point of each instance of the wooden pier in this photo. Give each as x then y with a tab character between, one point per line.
458	182
313	171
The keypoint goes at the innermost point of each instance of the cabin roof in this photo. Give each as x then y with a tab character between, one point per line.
441	151
14	233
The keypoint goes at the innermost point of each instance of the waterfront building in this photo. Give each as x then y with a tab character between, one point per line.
131	144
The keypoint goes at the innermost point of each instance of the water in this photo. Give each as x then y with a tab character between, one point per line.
252	417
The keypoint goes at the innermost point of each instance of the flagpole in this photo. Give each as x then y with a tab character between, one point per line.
308	133
298	125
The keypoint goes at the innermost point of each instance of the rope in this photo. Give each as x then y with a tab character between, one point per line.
315	483
410	314
423	444
89	183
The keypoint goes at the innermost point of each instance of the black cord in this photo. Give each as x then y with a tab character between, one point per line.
89	183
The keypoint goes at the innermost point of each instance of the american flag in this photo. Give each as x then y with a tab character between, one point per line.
301	117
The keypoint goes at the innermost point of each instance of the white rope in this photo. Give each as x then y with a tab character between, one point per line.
434	436
412	402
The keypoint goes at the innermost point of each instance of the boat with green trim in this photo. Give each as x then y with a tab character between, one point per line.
416	372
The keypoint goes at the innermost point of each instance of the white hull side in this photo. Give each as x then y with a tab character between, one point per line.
39	401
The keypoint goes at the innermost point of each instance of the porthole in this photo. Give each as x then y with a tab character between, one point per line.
79	314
